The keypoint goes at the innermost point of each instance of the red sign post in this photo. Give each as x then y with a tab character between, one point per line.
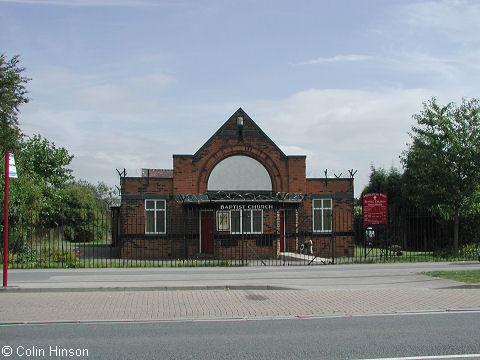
10	172
375	209
5	223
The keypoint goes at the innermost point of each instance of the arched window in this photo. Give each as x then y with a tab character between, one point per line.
239	173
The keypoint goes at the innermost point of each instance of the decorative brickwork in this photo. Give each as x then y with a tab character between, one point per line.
249	238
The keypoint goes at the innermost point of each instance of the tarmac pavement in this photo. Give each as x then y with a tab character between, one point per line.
157	294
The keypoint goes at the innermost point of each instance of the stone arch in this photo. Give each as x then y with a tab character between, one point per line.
239	173
264	159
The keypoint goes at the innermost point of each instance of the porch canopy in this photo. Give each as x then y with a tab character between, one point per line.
239	197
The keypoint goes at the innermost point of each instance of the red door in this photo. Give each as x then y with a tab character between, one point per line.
206	232
282	231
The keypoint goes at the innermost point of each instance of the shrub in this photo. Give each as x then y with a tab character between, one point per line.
64	257
397	249
84	219
470	251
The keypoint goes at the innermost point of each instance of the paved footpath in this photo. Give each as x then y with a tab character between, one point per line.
227	293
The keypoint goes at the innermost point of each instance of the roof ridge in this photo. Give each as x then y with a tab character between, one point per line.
239	112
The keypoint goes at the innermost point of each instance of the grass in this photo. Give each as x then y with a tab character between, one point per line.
465	276
71	244
377	255
125	263
63	254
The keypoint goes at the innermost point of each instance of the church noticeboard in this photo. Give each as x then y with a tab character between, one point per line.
375	209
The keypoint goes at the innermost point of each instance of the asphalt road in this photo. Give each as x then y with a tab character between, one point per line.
351	337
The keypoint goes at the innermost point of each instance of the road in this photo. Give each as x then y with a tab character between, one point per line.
354	276
318	312
345	337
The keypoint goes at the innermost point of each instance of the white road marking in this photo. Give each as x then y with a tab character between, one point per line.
434	357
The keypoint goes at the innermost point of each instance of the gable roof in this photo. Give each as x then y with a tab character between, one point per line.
246	119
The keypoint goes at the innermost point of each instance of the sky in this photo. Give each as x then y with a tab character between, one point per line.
128	83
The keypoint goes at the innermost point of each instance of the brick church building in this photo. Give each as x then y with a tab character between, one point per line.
238	197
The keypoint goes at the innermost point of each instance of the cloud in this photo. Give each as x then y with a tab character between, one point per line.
94	3
335	59
424	64
341	130
108	100
105	96
337	129
60	75
135	121
119	125
437	39
101	152
124	104
456	20
334	112
99	146
64	127
155	79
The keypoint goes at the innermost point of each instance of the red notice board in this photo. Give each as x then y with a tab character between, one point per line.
375	209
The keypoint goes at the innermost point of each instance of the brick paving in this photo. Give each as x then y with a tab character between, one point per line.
132	305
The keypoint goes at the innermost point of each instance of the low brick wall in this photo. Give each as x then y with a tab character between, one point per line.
159	248
250	249
234	248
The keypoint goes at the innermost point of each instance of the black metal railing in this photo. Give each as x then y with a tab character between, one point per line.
194	236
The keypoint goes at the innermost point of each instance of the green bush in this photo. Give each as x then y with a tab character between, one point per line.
445	253
26	254
396	249
470	251
65	257
44	258
84	218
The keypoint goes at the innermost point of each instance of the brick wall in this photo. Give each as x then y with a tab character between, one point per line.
341	193
190	176
158	247
191	172
145	185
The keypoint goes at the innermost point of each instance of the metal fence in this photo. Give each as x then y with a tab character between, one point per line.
415	235
209	237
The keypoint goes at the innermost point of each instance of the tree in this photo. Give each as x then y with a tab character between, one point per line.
36	195
43	167
84	219
43	158
443	160
106	195
390	182
13	93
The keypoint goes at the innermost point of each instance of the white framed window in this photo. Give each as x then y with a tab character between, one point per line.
223	220
246	221
322	215
155	216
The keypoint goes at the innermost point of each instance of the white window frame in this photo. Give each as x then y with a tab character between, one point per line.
223	220
157	210
322	210
241	211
